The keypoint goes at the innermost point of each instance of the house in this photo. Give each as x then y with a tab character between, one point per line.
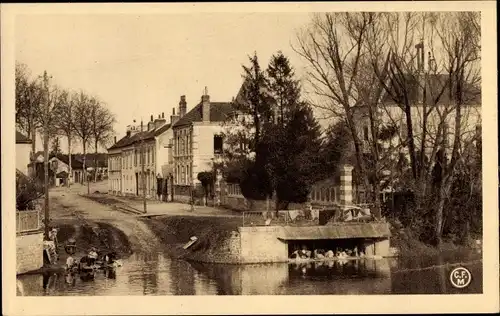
95	163
197	142
433	104
23	152
125	159
59	169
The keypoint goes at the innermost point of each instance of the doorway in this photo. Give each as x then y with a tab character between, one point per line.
137	184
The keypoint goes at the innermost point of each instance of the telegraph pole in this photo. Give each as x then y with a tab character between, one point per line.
142	170
46	153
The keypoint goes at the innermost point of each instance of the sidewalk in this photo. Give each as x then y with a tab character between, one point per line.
159	208
173	208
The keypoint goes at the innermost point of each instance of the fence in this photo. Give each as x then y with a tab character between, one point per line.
308	217
27	221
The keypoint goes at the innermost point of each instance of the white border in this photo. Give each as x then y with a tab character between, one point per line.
486	302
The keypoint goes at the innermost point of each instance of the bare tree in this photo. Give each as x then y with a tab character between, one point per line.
65	124
431	97
102	121
28	103
334	49
82	124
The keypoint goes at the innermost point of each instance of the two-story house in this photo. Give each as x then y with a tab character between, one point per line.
197	142
141	155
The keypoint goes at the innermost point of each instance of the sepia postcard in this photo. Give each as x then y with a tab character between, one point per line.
249	158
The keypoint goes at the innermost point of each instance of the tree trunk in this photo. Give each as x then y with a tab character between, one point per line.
439	220
376	199
33	150
70	175
358	151
95	162
86	178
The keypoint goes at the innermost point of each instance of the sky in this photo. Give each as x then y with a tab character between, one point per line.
141	64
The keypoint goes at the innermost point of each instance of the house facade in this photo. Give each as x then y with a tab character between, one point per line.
438	117
23	152
59	170
126	164
197	142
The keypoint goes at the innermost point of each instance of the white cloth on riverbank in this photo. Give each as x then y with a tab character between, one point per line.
293	214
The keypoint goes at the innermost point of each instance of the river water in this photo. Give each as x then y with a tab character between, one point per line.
157	274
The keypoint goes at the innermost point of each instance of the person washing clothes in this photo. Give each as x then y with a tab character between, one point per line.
304	253
93	255
70	263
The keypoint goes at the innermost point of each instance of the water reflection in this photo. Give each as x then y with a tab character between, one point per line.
156	274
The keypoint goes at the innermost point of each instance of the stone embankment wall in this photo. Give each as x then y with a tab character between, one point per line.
29	252
261	244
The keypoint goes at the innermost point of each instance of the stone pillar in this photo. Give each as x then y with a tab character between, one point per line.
346	185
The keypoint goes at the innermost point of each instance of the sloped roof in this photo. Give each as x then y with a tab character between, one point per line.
218	113
75	163
146	135
21	139
337	231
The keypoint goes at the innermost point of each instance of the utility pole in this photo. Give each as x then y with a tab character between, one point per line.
46	152
142	170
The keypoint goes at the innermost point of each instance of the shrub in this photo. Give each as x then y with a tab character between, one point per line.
28	191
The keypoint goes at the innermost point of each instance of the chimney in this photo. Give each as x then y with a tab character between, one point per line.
173	118
420	55
151	123
205	105
162	115
115	139
159	122
182	106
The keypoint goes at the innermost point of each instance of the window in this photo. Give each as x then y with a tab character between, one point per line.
152	155
218	144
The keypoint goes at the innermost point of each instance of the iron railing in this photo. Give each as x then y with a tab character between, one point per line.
27	221
307	217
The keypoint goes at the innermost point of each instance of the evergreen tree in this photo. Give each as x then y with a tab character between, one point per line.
56	147
293	138
246	155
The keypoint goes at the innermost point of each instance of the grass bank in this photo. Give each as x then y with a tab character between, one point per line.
212	233
408	244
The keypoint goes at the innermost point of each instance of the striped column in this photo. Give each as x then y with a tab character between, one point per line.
346	185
